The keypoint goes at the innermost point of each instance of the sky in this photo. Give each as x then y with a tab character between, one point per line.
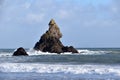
83	23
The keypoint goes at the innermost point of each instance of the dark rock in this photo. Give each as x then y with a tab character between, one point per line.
20	52
50	41
69	49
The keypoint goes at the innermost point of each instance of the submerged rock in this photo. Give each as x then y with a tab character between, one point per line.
20	52
50	41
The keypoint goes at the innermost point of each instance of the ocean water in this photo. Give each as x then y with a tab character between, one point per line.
88	64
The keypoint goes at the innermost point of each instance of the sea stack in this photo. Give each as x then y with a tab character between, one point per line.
50	41
20	52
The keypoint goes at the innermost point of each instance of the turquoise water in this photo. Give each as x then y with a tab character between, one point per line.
89	64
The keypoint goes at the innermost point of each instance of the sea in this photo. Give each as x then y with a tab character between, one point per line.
88	64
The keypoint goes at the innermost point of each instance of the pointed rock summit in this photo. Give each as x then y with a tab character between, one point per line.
50	41
54	29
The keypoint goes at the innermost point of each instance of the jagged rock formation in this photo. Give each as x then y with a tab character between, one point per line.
20	52
50	41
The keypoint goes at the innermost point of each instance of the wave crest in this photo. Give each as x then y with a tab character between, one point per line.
90	52
59	68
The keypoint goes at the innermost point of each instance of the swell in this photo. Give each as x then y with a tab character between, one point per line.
100	56
64	59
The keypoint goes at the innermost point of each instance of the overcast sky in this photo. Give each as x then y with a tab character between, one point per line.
83	23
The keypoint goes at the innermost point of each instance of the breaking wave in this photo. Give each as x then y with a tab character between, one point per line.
59	68
32	52
90	52
81	52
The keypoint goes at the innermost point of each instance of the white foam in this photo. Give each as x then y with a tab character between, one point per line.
34	52
3	54
81	52
89	52
59	68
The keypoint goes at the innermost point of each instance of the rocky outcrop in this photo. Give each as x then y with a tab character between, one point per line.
20	52
50	41
69	49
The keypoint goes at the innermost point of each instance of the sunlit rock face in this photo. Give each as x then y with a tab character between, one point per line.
54	29
50	41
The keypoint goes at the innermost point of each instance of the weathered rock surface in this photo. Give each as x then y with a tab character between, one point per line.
69	49
50	41
20	52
